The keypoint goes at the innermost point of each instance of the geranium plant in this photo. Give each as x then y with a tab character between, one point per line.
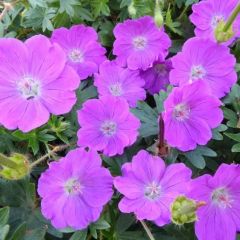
119	119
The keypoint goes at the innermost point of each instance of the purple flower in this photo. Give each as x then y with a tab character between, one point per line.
139	43
107	125
190	113
207	14
75	189
149	187
157	77
120	82
220	217
34	82
84	52
206	60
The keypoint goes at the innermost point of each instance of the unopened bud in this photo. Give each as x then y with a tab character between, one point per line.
132	10
19	171
183	210
221	35
158	17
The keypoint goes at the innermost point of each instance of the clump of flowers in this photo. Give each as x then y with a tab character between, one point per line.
219	218
205	60
107	125
120	82
39	77
35	81
157	77
149	187
208	14
190	114
75	189
139	43
83	50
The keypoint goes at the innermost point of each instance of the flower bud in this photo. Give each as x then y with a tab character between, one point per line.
221	35
21	170
183	210
132	10
158	17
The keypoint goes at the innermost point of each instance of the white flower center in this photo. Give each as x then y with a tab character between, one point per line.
216	19
29	87
181	112
108	128
139	42
76	56
221	197
116	89
160	69
197	72
152	191
73	187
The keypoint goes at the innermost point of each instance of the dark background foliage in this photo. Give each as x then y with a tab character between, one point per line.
20	216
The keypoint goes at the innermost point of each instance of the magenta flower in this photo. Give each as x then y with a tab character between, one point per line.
190	114
120	82
206	60
34	82
75	189
220	217
107	125
139	43
157	77
149	187
84	52
207	14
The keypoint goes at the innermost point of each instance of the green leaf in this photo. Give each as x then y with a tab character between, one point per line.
100	7
125	3
68	6
206	151
20	232
124	222
79	235
148	117
232	117
233	136
217	132
35	234
101	224
174	26
40	3
159	99
196	159
4	215
84	13
4	230
236	147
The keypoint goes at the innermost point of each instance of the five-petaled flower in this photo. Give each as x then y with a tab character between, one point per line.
149	187
220	217
75	189
34	82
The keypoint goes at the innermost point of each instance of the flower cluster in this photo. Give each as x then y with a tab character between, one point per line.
39	77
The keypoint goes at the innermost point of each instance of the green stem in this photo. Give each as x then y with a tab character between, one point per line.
183	12
151	237
55	149
232	18
7	162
